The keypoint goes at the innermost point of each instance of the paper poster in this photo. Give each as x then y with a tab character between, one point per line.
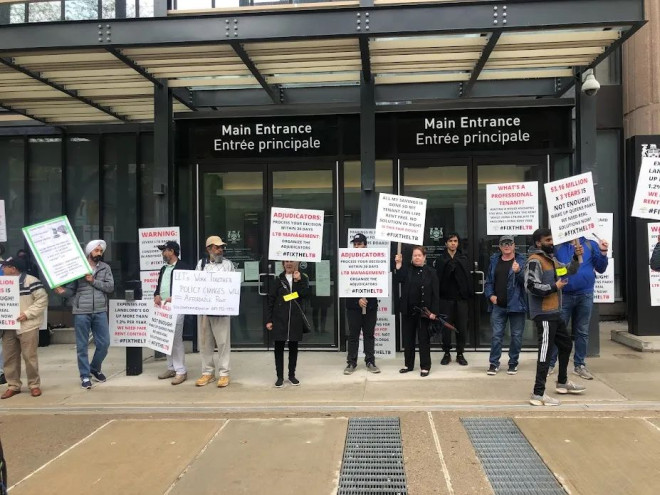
206	293
384	345
512	208
604	287
400	219
385	303
3	222
370	234
654	277
363	272
251	271
605	230
323	278
57	251
647	194
295	235
10	307
571	207
149	280
161	325
151	258
128	322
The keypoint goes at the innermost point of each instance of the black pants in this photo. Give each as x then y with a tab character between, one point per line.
414	326
279	357
366	323
457	315
551	333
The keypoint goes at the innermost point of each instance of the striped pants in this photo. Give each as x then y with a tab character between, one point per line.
551	333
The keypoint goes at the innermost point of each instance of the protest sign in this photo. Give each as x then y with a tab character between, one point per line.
400	219
3	222
128	322
161	325
149	281
10	307
363	272
384	345
654	277
295	235
151	258
647	194
572	207
512	208
206	293
370	234
57	251
605	230
604	287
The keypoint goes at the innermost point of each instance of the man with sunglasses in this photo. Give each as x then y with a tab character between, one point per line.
505	292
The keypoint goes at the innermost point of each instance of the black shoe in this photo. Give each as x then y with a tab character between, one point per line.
405	370
424	373
3	380
86	383
293	380
446	359
279	383
98	376
461	360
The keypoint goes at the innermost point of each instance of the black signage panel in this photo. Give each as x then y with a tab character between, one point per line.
484	130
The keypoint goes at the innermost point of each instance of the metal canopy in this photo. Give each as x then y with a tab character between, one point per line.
81	72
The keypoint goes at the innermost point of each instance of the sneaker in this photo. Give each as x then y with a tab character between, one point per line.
583	372
279	383
492	370
545	400
179	378
551	370
461	360
349	369
98	376
446	359
204	380
86	383
293	380
569	388
223	381
3	379
167	374
373	368
512	370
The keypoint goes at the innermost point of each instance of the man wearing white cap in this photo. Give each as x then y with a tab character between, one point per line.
89	300
214	330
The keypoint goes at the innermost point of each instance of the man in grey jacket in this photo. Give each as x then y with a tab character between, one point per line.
89	300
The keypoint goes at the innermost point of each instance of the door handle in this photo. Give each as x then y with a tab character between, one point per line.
482	276
261	284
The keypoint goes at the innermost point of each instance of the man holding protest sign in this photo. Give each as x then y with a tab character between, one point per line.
89	301
215	330
176	361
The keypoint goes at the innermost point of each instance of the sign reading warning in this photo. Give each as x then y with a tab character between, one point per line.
151	257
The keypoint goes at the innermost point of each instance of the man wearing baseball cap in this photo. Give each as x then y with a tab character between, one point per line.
505	292
214	330
176	362
361	313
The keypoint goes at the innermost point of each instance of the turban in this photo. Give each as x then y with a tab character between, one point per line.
92	245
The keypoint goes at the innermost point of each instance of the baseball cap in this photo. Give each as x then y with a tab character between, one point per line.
17	263
507	238
214	240
359	238
173	245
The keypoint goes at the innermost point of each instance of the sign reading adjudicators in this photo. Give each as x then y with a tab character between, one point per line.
296	235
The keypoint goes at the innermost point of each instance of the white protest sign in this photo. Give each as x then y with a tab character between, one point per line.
149	280
3	222
151	258
647	195
654	277
206	293
370	234
128	322
512	208
295	235
384	345
161	325
605	230
363	272
400	219
604	286
10	306
57	251
572	207
385	303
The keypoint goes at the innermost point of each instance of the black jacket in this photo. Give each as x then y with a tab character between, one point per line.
655	258
180	265
430	300
286	316
462	276
353	303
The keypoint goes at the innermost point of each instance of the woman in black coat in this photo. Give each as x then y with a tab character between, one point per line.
420	289
284	317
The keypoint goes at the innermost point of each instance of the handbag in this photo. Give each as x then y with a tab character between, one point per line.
307	328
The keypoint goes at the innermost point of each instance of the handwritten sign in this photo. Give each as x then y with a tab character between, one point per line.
151	258
400	219
206	293
571	207
161	325
604	286
512	208
647	194
363	272
296	235
10	307
128	322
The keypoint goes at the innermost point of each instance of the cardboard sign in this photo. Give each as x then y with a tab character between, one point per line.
128	322
10	304
151	258
512	208
400	219
363	272
149	280
206	293
605	231
654	277
647	194
3	222
296	235
571	207
57	251
384	345
604	287
161	325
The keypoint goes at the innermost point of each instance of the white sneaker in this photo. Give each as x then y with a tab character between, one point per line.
583	372
569	388
546	400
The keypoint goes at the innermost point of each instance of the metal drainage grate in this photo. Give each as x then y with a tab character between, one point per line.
373	458
511	463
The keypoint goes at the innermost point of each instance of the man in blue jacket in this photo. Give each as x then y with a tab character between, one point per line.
579	297
505	292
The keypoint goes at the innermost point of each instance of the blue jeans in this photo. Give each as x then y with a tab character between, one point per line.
498	320
98	323
577	309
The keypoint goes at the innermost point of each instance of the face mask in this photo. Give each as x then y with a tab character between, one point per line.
96	259
549	250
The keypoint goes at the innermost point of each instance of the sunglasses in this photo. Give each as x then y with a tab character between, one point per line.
506	243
